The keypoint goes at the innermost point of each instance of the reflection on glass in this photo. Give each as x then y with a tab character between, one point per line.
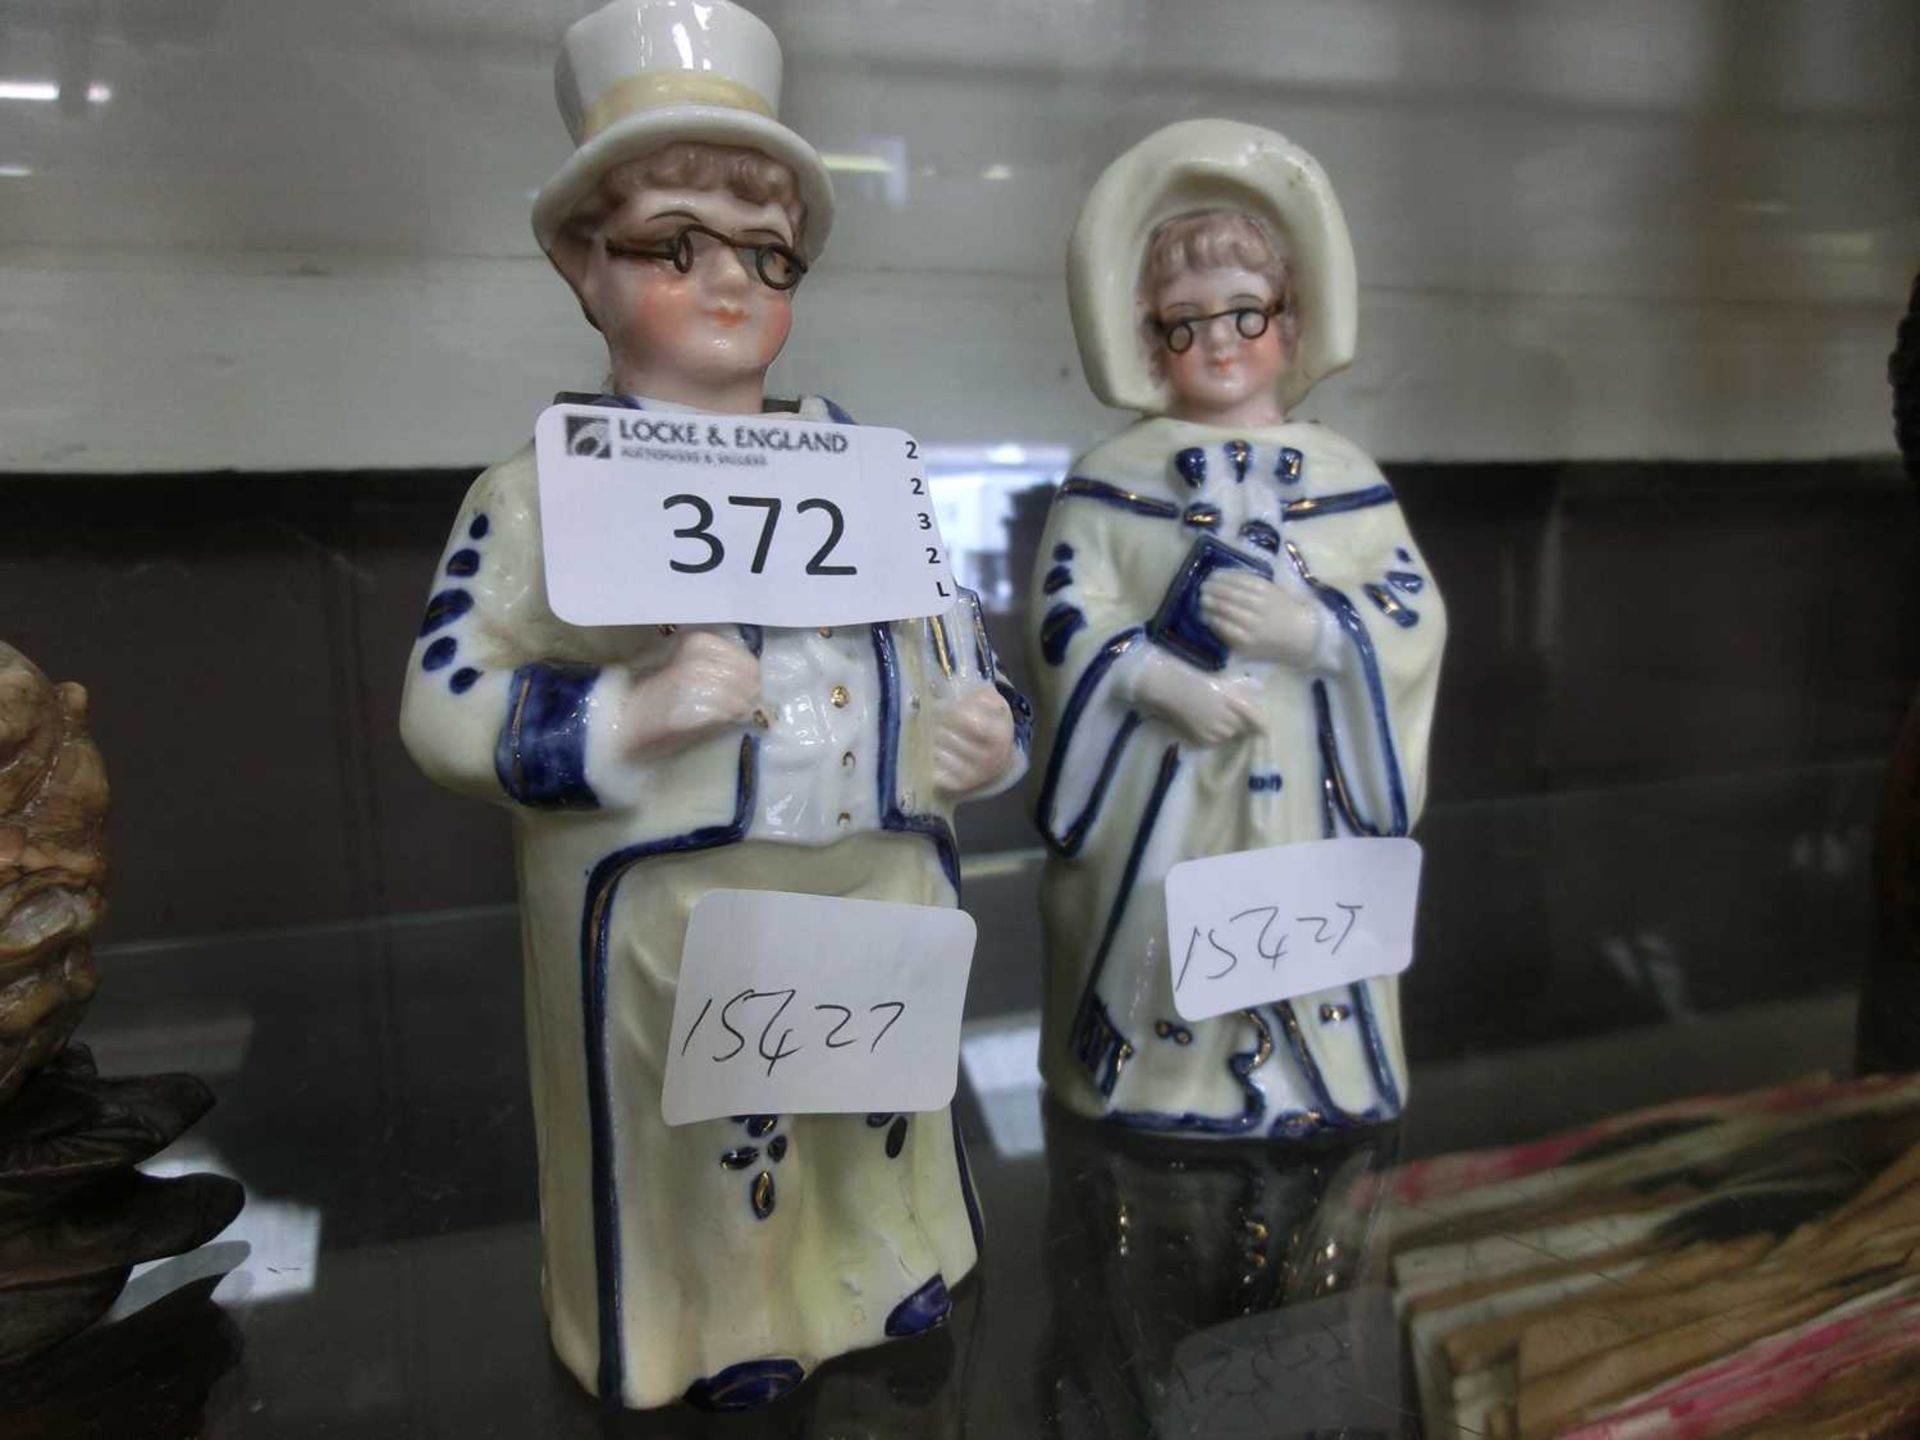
1211	1292
974	490
279	1240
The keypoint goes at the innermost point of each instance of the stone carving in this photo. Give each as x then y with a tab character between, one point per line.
53	865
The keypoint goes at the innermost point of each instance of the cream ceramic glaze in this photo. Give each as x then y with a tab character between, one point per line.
1197	165
647	765
636	74
726	1258
1326	738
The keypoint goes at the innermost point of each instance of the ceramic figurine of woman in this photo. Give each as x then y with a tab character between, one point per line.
1235	641
647	765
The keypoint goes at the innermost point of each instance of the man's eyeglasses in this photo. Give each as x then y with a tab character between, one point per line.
777	265
1250	322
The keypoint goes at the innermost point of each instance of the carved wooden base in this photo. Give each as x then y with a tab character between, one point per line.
75	1215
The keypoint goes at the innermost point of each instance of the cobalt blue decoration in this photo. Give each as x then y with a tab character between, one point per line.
746	1386
1238	454
1057	630
1260	533
541	756
445	608
1201	516
1391	607
921	1311
1081	487
1177	624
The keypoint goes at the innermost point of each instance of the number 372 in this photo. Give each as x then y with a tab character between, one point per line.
701	530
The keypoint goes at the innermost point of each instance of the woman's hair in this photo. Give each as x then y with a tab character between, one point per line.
1213	240
747	174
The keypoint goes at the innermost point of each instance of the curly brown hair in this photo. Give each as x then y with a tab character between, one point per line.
1212	240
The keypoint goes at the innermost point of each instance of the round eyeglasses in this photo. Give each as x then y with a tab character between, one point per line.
1250	322
778	266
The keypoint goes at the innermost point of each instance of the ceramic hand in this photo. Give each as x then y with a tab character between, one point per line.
709	683
972	740
1205	709
1258	619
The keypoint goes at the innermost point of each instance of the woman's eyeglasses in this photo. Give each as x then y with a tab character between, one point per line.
1251	322
778	266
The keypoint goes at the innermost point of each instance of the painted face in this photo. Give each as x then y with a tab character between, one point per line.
716	323
1221	369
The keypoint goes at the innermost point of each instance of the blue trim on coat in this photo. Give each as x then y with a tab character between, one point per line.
595	920
610	401
1078	486
540	757
1344	611
606	401
1383	1079
1242	1065
1057	629
892	817
1096	1040
1309	1069
1314	506
1069	843
1310	507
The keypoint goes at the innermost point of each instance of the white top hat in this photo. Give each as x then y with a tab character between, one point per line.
1204	165
640	74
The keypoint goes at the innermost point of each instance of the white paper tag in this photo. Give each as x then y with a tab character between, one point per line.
650	517
1266	925
813	1004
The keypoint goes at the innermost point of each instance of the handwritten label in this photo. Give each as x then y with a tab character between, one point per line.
1322	1367
653	517
814	1004
1267	925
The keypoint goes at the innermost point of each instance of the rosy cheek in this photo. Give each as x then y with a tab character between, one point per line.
663	306
1263	355
1187	370
779	322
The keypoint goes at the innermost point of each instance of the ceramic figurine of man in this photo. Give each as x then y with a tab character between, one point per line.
647	765
1235	640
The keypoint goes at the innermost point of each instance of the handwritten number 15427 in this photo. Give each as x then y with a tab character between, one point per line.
1221	948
